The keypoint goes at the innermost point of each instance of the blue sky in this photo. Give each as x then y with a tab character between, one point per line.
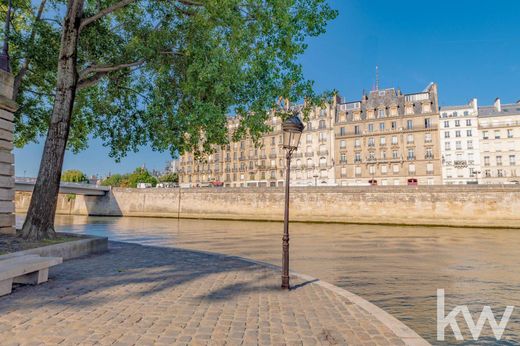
470	48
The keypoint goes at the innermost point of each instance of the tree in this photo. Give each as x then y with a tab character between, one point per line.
116	180
141	175
74	176
169	178
162	72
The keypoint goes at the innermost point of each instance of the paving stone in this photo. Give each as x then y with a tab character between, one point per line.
148	295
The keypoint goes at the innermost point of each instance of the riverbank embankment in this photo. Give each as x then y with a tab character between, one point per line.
460	206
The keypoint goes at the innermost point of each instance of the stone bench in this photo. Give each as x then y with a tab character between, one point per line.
26	269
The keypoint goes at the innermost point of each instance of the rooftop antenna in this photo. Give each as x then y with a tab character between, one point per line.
377	78
4	56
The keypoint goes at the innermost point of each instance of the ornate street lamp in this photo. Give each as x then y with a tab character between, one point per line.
292	129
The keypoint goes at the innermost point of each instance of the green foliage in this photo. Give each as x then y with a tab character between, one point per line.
169	178
140	175
74	176
192	62
116	180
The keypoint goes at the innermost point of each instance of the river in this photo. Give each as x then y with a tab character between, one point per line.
398	268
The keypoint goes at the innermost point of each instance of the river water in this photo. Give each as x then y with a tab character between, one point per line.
397	268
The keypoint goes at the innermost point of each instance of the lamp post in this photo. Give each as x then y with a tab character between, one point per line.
292	129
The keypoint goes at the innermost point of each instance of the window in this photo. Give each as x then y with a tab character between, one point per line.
357	130
358	170
322	124
309	126
381	126
447	134
342	144
446	123
273	142
512	160
497	134
343	158
409	138
372	169
384	169
381	113
500	173
370	127
509	133
343	172
428	137
409	124
342	131
395	168
429	168
447	145
466	113
371	142
395	154
383	155
468	121
411	168
382	140
394	125
499	160
357	143
469	133
427	123
309	138
457	123
486	160
322	137
458	145
457	133
394	140
429	154
357	157
485	135
470	144
411	154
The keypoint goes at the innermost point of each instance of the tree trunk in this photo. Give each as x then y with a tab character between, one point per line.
39	223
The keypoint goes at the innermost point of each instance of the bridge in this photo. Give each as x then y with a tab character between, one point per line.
27	184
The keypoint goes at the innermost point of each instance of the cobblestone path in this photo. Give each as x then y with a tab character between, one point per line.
162	296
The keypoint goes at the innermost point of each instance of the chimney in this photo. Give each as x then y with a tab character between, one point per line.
474	104
497	105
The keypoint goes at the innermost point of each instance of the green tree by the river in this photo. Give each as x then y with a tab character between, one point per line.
162	73
74	176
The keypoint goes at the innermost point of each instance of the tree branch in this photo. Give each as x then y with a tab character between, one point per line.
97	72
104	12
25	67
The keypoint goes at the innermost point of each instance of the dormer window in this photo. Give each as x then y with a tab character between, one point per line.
381	113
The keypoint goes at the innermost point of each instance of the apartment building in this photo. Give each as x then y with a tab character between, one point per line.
499	131
242	164
459	142
389	138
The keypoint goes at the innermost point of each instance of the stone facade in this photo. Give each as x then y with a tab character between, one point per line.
499	131
7	109
242	164
389	138
460	145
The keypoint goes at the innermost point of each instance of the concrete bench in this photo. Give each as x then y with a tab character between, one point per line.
26	269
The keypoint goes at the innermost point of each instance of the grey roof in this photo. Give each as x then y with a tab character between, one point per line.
450	108
506	109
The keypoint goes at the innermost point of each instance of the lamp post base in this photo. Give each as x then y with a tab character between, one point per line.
285	283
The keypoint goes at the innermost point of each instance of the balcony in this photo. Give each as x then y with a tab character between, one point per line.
429	156
272	156
309	154
411	158
323	152
297	155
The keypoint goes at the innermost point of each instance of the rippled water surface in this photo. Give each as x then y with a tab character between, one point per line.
397	268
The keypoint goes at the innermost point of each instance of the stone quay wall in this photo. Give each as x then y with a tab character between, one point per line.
467	206
7	109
